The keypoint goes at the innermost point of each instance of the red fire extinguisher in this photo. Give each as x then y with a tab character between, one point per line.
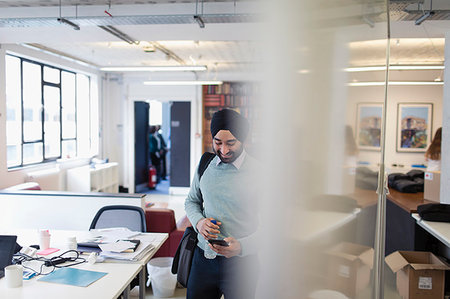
152	177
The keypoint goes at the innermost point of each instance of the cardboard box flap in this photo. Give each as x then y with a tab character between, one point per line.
344	255
418	260
429	267
367	257
353	252
396	261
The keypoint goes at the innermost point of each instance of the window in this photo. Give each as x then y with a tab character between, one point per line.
48	113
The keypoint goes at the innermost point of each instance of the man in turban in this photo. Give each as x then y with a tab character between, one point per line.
225	194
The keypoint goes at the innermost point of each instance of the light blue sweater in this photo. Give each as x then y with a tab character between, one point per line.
229	196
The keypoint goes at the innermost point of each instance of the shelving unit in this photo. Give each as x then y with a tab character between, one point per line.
101	178
239	96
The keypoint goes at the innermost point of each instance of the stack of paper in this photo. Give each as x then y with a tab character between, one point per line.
141	251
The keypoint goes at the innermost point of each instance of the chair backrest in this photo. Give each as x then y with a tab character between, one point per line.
131	217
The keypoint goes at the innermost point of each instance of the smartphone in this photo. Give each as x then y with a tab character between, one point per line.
218	242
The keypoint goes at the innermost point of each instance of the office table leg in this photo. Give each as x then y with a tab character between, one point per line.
142	283
126	292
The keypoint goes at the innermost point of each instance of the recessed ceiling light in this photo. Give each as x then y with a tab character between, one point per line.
394	68
168	68
183	82
395	83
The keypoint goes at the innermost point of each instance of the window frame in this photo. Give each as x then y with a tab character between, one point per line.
59	85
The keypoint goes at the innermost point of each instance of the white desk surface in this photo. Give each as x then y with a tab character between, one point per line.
120	273
316	224
440	230
109	286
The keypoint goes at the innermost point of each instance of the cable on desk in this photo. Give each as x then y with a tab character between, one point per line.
20	258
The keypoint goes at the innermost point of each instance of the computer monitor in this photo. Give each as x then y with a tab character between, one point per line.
7	247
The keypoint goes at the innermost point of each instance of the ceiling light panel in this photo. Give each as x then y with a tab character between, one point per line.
407	51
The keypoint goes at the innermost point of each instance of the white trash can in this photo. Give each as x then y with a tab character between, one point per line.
160	276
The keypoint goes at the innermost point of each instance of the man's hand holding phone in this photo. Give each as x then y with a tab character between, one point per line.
232	248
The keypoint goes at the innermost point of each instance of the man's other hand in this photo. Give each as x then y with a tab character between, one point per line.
233	249
208	229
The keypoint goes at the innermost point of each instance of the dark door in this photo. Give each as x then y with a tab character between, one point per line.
180	149
141	121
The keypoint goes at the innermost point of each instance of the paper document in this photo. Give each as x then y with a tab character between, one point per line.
109	235
118	246
141	251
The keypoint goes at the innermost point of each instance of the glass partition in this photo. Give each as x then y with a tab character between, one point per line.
324	122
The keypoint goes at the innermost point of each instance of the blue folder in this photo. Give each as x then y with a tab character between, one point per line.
72	276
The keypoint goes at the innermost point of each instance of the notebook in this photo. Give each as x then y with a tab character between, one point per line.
7	246
73	276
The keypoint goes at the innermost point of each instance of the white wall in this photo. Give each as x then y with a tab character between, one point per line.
396	94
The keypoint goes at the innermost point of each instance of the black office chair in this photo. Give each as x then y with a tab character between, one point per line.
131	217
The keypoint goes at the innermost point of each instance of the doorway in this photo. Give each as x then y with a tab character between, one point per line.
160	145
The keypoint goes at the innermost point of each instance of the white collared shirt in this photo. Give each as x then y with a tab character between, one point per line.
238	162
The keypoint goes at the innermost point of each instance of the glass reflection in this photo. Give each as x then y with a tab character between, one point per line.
324	153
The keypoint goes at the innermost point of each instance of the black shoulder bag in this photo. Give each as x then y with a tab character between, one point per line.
182	260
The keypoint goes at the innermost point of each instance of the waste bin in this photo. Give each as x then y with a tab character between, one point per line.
160	276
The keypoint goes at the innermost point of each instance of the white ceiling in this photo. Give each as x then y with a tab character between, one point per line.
44	3
225	45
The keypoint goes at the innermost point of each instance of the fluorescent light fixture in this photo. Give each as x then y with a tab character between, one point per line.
67	22
199	21
394	68
119	34
424	17
183	82
167	68
392	83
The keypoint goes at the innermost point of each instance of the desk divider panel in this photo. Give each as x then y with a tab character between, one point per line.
56	210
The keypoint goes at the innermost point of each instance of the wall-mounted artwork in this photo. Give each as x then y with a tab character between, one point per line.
414	127
368	126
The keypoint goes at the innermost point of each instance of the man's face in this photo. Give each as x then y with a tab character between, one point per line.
226	146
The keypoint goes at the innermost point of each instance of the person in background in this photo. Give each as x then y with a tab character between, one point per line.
433	153
162	152
227	194
154	149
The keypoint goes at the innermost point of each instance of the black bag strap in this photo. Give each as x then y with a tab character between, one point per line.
189	239
204	163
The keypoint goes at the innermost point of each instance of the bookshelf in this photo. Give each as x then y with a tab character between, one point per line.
239	96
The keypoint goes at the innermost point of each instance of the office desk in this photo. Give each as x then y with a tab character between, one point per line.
320	224
401	228
109	286
439	230
407	201
120	272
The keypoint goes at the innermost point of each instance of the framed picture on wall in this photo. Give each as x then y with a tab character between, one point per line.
414	126
368	126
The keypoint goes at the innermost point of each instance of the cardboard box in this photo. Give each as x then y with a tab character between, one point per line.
432	185
420	274
349	268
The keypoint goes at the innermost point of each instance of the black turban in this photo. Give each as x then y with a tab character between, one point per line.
227	119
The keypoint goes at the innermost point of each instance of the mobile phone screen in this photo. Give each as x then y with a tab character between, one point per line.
219	242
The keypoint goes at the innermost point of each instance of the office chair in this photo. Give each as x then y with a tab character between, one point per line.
130	217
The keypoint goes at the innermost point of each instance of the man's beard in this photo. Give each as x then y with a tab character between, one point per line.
233	155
